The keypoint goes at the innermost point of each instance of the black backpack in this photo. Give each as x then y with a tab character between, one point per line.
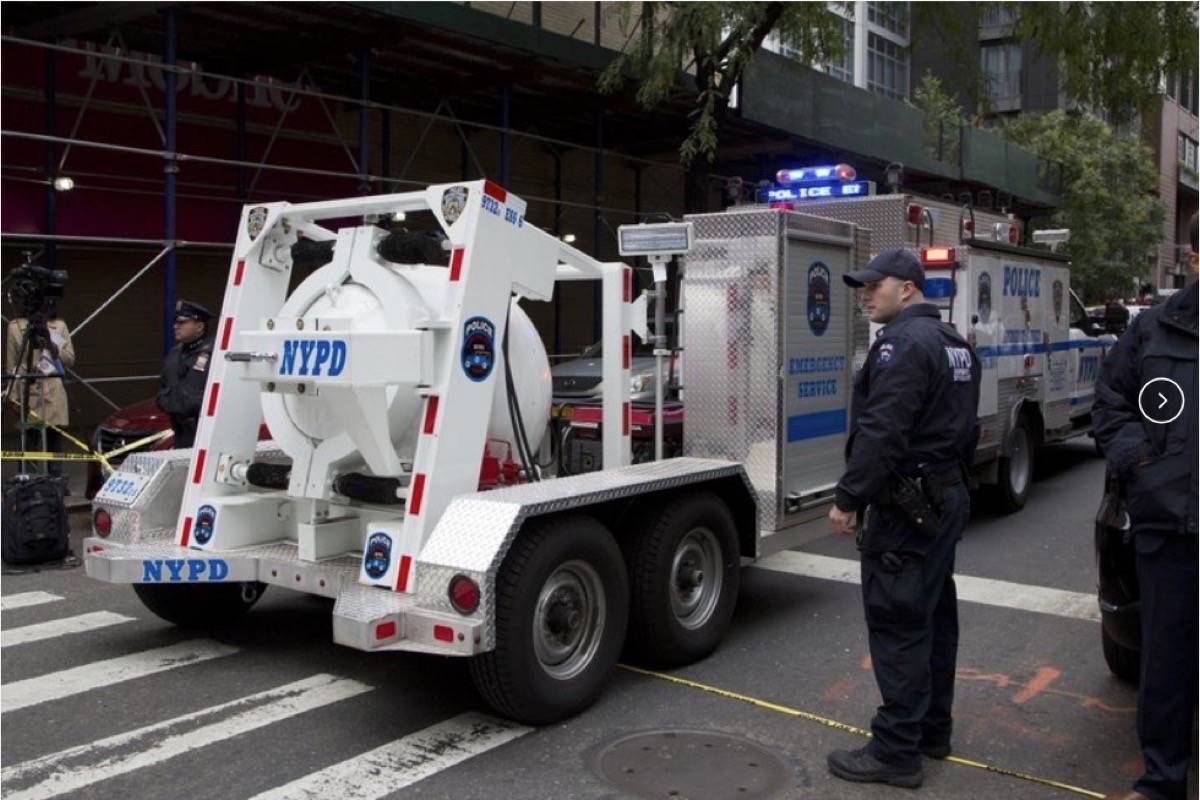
35	520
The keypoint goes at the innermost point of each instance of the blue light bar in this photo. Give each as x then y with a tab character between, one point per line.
826	191
837	172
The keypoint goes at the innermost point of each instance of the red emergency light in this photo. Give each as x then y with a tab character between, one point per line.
937	255
1014	234
914	214
102	522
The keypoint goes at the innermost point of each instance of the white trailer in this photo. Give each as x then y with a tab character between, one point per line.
1015	305
392	389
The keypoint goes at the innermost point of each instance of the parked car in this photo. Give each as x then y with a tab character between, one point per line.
124	427
578	380
1119	591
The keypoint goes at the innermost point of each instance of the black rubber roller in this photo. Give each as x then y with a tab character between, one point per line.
269	476
369	489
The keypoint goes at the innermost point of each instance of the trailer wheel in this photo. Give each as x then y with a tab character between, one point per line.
684	567
562	605
1123	662
200	605
1016	469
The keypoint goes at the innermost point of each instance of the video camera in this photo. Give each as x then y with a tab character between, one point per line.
30	286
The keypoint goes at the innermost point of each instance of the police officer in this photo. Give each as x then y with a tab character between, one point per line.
1150	440
185	371
913	432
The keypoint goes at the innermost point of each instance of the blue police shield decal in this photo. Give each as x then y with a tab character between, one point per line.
985	297
378	555
478	348
1057	289
206	519
818	298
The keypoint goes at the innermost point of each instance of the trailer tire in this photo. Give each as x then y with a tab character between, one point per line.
200	605
562	606
1124	662
684	572
1016	469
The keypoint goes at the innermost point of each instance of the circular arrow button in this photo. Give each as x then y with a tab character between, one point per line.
1161	400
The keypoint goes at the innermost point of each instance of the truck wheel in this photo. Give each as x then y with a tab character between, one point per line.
200	605
1123	662
684	570
562	605
1016	469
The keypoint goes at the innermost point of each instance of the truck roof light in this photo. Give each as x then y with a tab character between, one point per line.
835	172
937	255
660	238
914	214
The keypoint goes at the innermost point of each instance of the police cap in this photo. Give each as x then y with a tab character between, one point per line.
896	262
186	309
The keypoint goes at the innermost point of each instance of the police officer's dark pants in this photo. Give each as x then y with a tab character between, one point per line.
912	627
185	431
1167	572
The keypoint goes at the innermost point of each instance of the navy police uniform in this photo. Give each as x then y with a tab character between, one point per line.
184	374
1156	464
913	415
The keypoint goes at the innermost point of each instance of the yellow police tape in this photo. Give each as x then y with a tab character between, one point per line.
842	726
87	455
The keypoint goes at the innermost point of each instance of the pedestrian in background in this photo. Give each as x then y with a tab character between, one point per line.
48	355
1156	465
913	433
185	371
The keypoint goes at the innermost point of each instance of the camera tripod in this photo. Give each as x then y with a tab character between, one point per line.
23	375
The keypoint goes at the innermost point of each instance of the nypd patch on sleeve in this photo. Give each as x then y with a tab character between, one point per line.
885	354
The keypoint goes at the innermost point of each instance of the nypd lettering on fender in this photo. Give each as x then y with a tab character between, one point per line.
313	357
818	298
184	570
478	348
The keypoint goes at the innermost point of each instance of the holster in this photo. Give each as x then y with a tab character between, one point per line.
922	498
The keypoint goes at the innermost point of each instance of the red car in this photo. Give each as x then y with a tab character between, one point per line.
124	427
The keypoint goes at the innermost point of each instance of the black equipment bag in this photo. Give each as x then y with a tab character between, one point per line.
35	520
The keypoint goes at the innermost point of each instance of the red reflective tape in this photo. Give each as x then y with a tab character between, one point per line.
187	532
226	333
402	577
625	418
431	409
212	399
418	491
199	473
626	352
237	275
385	630
443	633
628	278
456	259
494	190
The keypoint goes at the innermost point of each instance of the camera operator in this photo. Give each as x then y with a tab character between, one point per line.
38	385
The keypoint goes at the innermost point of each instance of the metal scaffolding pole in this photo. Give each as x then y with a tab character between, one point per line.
598	169
240	147
505	109
385	144
51	167
558	289
170	172
364	122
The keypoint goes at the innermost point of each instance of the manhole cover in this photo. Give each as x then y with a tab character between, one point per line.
691	765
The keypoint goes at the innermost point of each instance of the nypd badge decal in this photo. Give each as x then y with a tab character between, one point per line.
378	555
478	348
454	200
256	221
818	298
206	519
1057	289
984	298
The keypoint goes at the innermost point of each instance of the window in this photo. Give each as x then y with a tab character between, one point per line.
843	68
889	16
887	67
1187	151
996	16
1001	66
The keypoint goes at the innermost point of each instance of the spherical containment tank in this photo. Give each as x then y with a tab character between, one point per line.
385	297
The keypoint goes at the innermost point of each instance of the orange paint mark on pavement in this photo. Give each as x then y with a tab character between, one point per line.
866	662
838	690
1041	681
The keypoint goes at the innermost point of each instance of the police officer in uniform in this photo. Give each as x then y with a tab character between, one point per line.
913	432
1155	458
181	388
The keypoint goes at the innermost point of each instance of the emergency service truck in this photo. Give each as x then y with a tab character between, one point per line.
1036	345
405	401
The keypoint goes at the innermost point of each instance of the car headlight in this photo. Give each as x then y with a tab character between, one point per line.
641	383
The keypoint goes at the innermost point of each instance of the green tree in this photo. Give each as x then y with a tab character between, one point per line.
943	120
1108	198
1114	56
714	42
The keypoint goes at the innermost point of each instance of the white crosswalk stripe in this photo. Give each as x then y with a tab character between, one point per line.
25	599
403	762
65	683
1004	594
61	627
71	770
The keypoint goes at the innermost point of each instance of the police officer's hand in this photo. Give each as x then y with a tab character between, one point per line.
842	521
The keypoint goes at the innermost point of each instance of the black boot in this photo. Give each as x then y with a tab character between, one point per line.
861	766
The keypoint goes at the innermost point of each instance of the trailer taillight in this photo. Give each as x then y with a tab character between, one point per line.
464	594
937	255
102	522
914	214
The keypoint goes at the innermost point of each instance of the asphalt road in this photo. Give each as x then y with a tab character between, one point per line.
272	705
